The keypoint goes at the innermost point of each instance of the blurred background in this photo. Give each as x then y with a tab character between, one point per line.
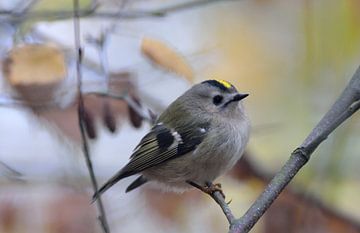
293	57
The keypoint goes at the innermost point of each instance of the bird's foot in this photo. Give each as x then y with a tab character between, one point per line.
211	188
208	188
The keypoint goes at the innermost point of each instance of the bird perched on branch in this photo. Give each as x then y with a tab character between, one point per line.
200	136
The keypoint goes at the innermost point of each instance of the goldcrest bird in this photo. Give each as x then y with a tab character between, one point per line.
200	136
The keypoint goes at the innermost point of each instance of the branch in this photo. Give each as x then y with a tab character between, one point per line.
138	109
91	12
345	106
81	114
224	206
9	172
217	194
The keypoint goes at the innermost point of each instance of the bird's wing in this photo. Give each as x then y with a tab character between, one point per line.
163	143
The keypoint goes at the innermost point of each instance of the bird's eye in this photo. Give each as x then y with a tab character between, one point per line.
217	99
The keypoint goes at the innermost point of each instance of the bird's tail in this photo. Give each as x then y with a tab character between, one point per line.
136	183
113	180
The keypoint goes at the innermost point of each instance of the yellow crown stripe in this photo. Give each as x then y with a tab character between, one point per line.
224	83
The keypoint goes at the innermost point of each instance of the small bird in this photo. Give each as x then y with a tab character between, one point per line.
200	136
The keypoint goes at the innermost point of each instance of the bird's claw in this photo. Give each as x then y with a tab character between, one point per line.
211	188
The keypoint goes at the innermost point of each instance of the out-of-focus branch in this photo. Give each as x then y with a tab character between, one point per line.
91	12
81	116
130	102
9	172
345	106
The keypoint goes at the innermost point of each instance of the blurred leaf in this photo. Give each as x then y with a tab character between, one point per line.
34	64
166	57
89	122
108	117
35	70
135	118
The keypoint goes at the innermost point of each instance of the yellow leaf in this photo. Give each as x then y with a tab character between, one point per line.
35	70
166	57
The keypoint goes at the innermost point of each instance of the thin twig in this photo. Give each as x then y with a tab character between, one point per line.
224	206
101	44
219	199
345	106
10	101
81	109
9	171
90	12
130	102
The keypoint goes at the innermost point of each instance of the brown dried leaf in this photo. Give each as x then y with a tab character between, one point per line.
166	57
89	122
135	118
108	117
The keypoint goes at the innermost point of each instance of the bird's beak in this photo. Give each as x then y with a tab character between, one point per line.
239	97
236	98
